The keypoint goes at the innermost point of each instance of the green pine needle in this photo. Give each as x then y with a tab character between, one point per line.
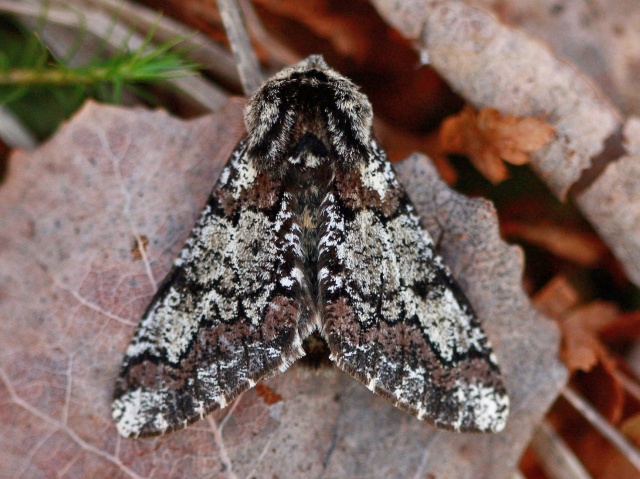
33	80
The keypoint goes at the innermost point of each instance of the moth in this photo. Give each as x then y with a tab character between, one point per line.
308	229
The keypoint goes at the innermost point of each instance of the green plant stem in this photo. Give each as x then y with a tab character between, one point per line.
28	77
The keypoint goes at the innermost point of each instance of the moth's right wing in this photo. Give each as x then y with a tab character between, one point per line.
226	316
394	317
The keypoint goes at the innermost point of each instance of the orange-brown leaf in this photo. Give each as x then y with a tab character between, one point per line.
581	346
268	395
489	139
631	428
557	298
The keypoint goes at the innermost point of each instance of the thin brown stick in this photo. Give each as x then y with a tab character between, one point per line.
247	62
556	458
603	427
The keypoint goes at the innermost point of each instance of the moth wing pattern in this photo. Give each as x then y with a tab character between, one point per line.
394	317
226	316
308	228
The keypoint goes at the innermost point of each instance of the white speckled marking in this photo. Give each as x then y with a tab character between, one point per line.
373	179
130	411
486	407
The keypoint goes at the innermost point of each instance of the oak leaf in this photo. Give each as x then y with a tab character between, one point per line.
488	139
582	348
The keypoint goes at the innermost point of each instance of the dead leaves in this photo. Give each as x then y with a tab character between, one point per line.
590	332
581	347
486	137
587	329
489	139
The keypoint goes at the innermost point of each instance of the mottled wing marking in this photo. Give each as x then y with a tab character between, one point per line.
228	313
394	317
308	228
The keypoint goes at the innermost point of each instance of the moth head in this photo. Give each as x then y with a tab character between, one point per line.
308	98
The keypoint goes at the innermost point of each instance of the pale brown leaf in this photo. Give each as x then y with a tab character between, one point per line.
72	290
493	65
600	36
612	204
557	298
581	348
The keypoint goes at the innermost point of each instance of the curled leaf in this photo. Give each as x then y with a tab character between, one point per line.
580	324
581	346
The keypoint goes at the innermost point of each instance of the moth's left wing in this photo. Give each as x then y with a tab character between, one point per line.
229	314
393	316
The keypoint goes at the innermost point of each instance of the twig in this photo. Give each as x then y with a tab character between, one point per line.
248	67
13	132
628	384
278	50
556	458
603	427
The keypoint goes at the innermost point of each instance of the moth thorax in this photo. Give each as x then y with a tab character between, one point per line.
301	104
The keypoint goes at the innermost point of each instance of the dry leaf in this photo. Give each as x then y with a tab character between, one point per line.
580	325
557	298
601	37
581	346
493	65
488	139
612	205
73	289
631	428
